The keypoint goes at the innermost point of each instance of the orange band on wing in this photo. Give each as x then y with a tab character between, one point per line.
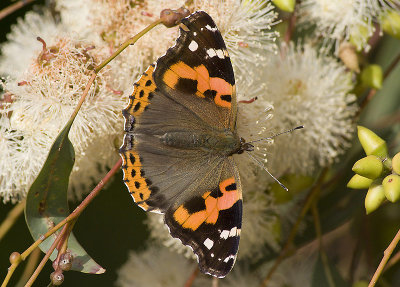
133	179
200	74
230	195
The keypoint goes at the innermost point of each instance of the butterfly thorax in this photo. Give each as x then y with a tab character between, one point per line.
224	143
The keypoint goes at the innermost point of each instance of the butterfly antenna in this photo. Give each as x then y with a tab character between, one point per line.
263	167
278	134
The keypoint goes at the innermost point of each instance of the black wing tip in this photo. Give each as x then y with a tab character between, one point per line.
203	266
195	16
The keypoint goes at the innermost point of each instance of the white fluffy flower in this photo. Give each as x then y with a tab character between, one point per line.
22	154
246	30
311	89
19	52
341	20
156	267
45	93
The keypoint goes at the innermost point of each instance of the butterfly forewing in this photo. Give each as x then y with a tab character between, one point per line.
199	65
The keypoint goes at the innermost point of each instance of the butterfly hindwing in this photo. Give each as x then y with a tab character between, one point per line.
210	223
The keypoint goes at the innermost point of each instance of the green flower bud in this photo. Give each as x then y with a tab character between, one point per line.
349	57
370	167
359	182
396	163
391	186
285	5
359	35
375	197
372	76
371	143
391	24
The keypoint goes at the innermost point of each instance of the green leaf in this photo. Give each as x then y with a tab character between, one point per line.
326	274
47	202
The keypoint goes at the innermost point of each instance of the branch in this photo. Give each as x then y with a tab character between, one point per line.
386	255
12	216
14	7
73	216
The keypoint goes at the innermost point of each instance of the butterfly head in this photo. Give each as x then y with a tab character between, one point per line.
244	146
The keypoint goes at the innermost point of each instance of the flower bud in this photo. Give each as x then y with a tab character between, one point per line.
65	262
370	167
359	35
371	143
391	186
348	55
372	76
285	5
375	197
396	163
391	23
57	278
359	182
15	257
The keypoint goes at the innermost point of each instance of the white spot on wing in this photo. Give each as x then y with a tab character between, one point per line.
211	53
208	243
224	234
193	46
213	29
229	257
220	54
232	232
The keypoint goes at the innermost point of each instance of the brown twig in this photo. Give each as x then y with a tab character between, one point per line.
386	255
290	29
286	248
12	216
74	215
13	7
29	268
192	277
38	269
394	260
131	41
391	67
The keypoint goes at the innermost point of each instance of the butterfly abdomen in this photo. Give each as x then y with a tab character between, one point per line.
224	143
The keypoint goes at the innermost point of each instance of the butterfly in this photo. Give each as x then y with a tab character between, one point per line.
180	135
